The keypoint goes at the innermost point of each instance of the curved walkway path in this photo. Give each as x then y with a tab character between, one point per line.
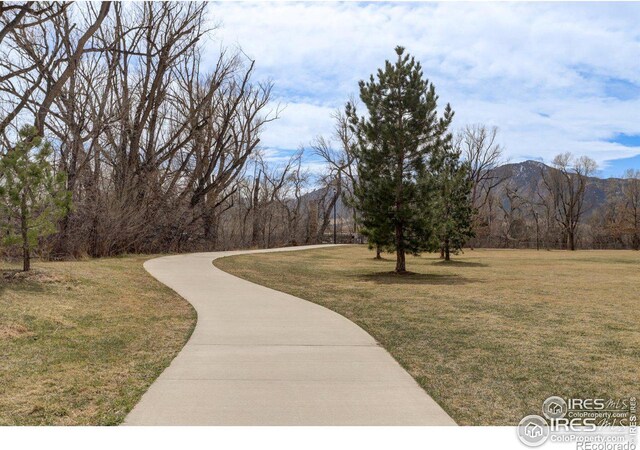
262	357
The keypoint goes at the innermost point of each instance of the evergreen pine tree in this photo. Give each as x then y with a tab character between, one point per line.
395	143
455	213
32	195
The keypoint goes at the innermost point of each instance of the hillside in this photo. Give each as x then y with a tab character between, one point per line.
526	178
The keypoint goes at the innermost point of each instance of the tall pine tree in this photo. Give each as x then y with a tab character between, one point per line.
455	212
396	146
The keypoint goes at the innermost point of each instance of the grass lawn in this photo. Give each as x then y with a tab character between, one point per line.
489	335
80	342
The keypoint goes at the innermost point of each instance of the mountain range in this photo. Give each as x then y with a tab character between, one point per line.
526	178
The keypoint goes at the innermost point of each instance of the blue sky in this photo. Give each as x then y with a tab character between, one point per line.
553	77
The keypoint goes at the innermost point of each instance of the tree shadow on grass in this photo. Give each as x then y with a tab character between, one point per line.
413	278
456	263
11	279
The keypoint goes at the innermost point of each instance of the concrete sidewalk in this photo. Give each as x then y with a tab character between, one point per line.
262	357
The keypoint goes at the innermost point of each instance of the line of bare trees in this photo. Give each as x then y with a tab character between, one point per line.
158	140
152	133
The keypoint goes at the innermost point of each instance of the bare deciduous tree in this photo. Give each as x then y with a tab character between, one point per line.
479	147
340	176
565	192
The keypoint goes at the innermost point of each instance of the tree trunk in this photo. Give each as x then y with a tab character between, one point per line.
442	252
26	258
447	252
378	252
210	228
572	243
93	236
327	213
312	229
24	230
401	266
255	228
400	256
63	247
355	227
94	195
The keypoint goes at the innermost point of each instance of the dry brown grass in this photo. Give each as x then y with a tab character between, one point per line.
80	342
493	333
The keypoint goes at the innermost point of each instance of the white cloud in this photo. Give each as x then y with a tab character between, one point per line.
298	124
503	64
